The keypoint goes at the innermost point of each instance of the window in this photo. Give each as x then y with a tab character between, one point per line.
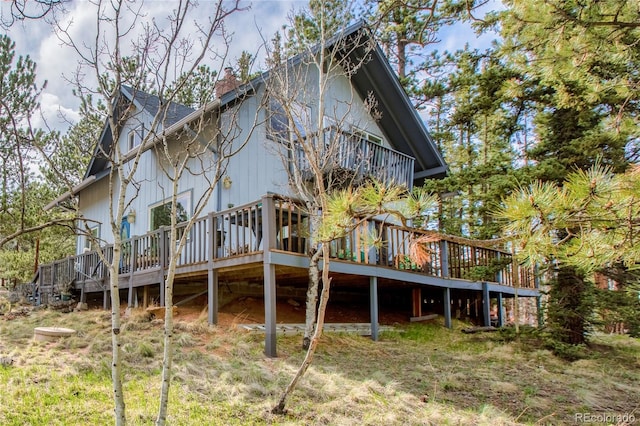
135	137
160	213
91	239
367	136
279	127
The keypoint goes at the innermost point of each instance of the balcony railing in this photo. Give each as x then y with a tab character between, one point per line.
349	156
241	231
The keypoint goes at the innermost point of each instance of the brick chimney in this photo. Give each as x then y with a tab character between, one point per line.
227	83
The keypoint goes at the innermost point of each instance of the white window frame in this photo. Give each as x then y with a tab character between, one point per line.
371	137
184	198
91	241
301	115
134	137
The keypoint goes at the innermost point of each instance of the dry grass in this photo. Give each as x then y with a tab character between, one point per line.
425	375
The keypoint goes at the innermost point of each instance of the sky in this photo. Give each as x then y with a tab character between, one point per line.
56	62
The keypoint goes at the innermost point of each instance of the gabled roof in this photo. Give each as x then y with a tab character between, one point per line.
403	127
146	102
151	104
400	121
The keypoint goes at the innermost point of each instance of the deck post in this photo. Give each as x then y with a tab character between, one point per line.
486	304
161	284
373	307
212	274
268	241
145	297
536	283
132	268
212	296
444	258
446	300
500	308
53	280
539	309
416	299
163	260
105	299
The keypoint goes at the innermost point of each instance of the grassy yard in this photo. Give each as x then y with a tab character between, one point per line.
425	374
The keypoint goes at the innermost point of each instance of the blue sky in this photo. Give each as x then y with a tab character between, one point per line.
55	61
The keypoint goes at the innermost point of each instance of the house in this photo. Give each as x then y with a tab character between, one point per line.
252	239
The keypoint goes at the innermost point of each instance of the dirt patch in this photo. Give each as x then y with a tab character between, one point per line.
250	310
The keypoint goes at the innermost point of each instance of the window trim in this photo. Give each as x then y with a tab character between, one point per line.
90	241
134	137
368	136
186	196
301	117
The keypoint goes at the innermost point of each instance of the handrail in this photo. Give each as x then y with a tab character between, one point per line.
358	155
239	231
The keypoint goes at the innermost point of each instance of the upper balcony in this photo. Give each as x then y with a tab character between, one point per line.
350	157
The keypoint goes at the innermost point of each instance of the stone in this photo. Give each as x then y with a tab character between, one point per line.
49	334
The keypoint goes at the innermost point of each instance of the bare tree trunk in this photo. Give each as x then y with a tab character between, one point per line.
312	299
516	285
167	359
324	299
116	366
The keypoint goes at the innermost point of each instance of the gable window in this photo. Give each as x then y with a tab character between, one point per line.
279	125
91	239
134	138
160	213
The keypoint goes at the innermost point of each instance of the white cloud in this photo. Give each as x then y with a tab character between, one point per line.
54	60
54	114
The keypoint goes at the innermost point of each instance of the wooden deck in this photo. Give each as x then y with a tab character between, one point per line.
263	242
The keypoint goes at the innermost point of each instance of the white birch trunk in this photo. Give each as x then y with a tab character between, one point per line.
322	309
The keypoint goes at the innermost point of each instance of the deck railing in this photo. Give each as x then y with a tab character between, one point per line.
350	153
239	231
376	243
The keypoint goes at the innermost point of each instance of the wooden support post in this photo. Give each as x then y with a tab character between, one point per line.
130	294
161	293
416	302
540	312
269	242
105	299
486	304
53	281
446	300
145	297
444	258
373	306
164	253
212	274
132	268
500	308
212	296
83	295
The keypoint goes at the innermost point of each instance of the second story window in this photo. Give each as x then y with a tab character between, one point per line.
367	136
280	127
134	138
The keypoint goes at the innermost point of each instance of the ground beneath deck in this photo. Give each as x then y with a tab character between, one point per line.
247	310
